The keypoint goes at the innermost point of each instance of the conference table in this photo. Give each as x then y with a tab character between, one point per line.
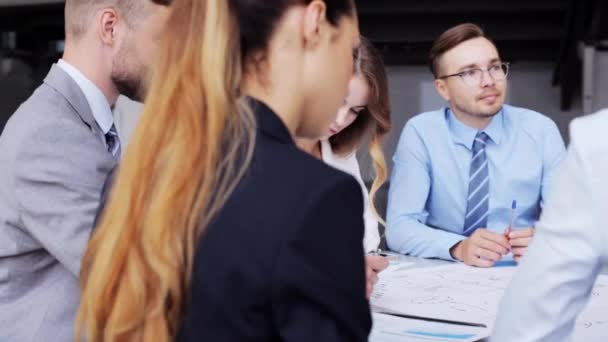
423	263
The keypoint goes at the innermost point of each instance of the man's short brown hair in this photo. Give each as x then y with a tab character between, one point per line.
79	14
449	40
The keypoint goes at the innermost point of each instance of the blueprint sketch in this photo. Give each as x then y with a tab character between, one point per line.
457	292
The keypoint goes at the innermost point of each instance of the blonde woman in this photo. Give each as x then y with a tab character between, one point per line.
211	229
364	113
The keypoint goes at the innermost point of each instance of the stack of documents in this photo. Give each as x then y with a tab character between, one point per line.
464	295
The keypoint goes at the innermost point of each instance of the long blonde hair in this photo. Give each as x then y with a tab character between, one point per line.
375	119
189	151
172	180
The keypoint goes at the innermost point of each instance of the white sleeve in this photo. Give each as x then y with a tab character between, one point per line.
350	165
556	276
371	238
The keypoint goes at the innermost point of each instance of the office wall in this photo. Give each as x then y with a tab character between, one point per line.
600	80
411	92
16	85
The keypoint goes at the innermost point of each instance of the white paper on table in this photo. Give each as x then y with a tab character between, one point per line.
395	264
457	292
453	292
388	328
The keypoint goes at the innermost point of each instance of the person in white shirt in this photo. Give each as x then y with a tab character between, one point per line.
556	277
365	112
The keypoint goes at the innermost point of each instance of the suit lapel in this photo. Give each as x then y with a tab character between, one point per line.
66	86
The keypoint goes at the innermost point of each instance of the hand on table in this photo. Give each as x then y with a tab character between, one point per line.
374	264
482	249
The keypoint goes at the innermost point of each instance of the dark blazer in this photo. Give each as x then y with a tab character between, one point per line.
283	260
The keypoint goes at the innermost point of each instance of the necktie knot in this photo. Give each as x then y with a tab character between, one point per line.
113	142
481	139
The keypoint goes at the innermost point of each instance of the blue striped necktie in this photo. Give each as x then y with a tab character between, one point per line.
113	142
479	187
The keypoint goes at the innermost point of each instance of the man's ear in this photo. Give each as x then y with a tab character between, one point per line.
314	22
107	26
442	89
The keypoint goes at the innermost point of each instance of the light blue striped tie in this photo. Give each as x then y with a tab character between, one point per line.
479	187
113	142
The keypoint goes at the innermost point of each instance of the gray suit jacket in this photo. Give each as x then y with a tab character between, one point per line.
53	163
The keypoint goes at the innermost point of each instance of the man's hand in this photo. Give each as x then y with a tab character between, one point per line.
374	264
519	240
483	249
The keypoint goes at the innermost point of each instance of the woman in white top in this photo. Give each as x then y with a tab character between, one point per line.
364	114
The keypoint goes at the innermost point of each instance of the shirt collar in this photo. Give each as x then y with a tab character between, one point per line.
465	135
102	112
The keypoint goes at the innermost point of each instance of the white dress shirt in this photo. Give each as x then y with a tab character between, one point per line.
349	164
98	102
556	276
126	116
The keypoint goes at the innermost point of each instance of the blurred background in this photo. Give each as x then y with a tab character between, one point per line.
558	51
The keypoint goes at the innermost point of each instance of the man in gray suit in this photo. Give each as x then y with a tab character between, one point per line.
55	153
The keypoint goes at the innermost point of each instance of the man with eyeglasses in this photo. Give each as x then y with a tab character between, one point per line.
469	179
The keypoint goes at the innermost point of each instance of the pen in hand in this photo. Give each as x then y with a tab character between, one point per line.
510	227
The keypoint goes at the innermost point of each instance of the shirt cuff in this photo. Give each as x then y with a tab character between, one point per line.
448	242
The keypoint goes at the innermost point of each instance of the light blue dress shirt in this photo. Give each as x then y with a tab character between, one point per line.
430	177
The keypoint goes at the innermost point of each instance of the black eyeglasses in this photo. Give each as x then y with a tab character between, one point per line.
473	77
